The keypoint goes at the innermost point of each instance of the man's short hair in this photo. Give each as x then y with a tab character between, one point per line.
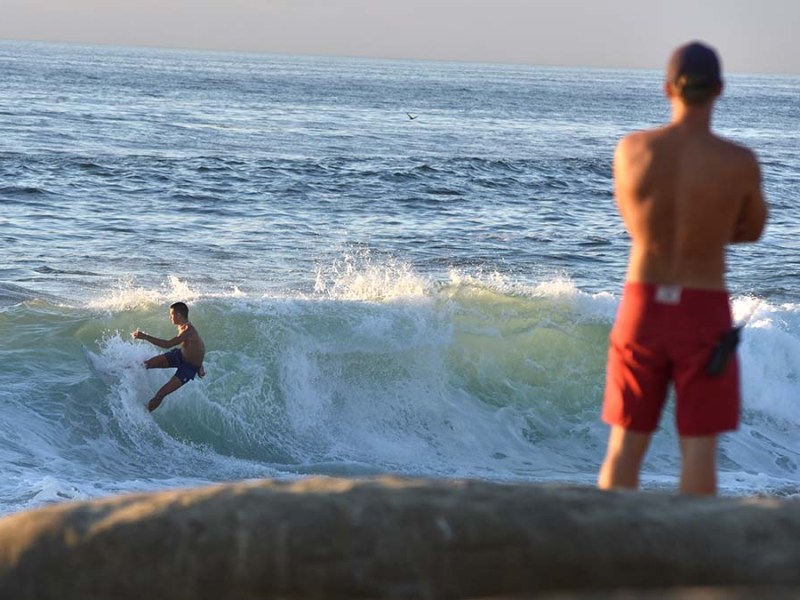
181	309
695	73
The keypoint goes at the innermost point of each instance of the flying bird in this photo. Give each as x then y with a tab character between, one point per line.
412	117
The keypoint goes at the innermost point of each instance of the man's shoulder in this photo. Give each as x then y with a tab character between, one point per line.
736	158
191	331
636	143
639	136
736	151
642	137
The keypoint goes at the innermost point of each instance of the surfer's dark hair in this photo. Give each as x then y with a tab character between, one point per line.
181	309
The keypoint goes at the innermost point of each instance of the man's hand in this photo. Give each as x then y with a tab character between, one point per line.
137	335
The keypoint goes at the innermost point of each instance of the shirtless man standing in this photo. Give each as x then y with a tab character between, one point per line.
683	194
188	358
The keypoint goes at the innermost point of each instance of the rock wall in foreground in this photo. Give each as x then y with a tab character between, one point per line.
392	538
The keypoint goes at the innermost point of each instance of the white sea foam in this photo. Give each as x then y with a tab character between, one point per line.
476	376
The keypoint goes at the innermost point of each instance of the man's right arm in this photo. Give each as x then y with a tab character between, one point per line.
140	335
753	214
622	168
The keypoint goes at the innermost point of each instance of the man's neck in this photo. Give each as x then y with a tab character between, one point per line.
693	117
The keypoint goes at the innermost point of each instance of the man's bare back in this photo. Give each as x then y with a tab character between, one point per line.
685	194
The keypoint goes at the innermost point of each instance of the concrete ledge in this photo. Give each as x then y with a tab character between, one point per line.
397	538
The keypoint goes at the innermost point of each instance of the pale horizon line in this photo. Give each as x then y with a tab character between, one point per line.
510	63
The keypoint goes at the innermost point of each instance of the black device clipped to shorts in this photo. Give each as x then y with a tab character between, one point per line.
723	350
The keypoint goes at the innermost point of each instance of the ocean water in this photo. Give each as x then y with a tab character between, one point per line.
378	294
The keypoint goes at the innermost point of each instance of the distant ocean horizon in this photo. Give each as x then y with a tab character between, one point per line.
378	294
429	60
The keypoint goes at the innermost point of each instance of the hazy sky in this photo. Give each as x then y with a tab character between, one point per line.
751	35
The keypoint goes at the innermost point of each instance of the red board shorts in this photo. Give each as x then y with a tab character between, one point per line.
666	334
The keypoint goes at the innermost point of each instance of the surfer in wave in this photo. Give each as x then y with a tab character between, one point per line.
187	359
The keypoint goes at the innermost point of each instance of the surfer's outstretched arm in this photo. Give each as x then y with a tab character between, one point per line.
141	335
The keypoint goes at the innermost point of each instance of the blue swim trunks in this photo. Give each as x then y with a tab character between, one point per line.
185	372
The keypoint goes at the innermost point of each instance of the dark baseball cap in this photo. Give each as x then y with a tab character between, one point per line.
694	65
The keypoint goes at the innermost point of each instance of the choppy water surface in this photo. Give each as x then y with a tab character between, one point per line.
378	294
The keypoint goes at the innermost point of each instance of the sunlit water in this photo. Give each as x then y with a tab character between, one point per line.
378	294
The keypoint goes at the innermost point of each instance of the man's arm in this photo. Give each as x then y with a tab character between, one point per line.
627	163
618	172
753	215
140	335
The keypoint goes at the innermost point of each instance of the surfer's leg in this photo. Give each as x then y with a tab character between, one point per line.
157	362
699	465
173	358
173	384
626	450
